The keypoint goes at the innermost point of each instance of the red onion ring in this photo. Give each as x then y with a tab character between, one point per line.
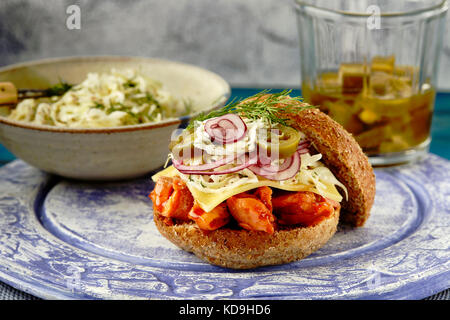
284	174
302	151
276	169
247	161
263	157
303	146
226	129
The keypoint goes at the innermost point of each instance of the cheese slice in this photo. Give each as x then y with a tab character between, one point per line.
208	201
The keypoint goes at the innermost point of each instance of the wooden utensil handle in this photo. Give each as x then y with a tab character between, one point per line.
8	93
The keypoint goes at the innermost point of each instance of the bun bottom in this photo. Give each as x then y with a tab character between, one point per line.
244	249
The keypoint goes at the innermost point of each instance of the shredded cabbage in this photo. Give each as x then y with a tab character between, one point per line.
219	183
112	99
314	173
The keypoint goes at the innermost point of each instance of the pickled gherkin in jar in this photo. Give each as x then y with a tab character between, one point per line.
380	103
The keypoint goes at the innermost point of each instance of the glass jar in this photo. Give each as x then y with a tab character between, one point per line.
372	66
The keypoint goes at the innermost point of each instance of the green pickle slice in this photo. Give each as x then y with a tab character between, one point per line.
289	139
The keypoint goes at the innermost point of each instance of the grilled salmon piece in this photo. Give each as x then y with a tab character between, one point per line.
212	220
161	193
250	212
265	195
171	198
305	208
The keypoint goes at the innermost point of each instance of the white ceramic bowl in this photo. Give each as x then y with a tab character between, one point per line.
104	153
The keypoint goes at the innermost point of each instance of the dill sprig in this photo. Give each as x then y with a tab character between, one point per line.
129	84
58	89
270	108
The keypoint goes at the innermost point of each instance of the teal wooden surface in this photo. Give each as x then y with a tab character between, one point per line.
440	132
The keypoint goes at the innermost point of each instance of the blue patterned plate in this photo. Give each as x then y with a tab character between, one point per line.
74	240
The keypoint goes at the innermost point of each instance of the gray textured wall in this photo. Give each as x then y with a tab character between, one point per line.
251	42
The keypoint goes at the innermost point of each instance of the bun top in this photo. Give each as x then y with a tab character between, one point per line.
343	156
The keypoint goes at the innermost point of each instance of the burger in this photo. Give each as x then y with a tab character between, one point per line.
263	181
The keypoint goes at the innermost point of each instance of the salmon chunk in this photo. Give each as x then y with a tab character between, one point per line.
251	212
305	208
171	198
212	220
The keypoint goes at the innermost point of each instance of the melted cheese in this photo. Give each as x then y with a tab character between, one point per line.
208	201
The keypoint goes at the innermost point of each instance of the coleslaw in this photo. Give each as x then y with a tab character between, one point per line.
110	99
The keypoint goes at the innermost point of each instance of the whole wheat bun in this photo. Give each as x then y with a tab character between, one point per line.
344	157
243	249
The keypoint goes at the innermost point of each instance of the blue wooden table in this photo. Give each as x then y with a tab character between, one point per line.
440	132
